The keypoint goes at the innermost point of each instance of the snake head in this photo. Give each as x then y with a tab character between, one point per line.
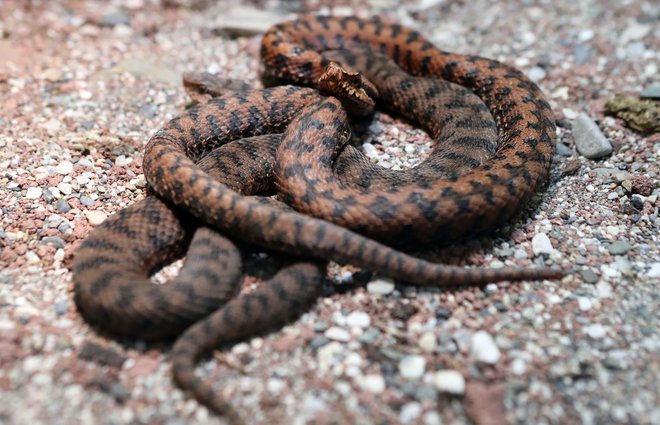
355	92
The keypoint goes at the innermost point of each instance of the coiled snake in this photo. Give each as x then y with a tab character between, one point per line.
487	161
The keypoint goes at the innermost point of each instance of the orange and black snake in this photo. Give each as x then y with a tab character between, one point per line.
489	157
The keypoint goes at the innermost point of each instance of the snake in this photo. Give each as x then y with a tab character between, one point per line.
337	205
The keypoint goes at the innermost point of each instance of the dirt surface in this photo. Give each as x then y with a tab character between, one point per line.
83	84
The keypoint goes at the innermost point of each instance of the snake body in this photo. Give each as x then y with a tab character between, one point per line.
203	164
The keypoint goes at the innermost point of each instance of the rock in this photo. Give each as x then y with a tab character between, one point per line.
619	247
374	383
582	53
541	244
412	366
589	140
449	381
381	286
337	334
33	192
410	412
64	168
651	92
358	319
428	342
584	303
112	19
564	150
654	270
241	21
589	276
123	161
536	74
637	201
483	348
518	366
642	185
642	115
596	331
95	217
87	201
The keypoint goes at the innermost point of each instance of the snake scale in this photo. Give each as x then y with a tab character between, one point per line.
494	140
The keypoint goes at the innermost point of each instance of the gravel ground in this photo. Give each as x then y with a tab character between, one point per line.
83	84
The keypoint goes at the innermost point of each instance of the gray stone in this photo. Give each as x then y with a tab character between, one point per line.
56	241
62	206
87	201
651	92
564	150
114	18
61	308
582	53
589	276
619	247
589	140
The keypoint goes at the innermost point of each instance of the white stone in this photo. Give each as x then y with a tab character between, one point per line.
634	32
373	383
358	319
428	342
596	331
449	381
584	303
381	286
603	289
412	366
518	366
65	188
96	217
337	334
64	168
33	193
275	385
536	74
122	161
654	271
327	355
541	244
431	418
483	348
410	412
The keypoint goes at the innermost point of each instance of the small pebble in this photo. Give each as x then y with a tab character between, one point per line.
375	384
654	270
412	366
428	342
358	319
33	192
410	412
337	334
584	303
536	74
596	331
96	217
589	140
541	244
589	276
619	247
381	286
518	366
64	168
483	348
449	381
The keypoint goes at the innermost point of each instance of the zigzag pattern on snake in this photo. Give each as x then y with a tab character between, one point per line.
317	174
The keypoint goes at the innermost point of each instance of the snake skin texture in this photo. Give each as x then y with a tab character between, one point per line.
493	138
